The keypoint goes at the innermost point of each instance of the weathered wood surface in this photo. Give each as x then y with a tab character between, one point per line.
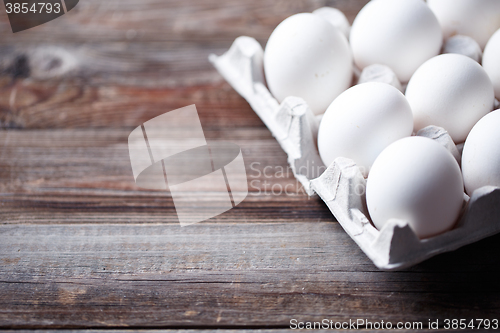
84	175
234	274
96	65
82	247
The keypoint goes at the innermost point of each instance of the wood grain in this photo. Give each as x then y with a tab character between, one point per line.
171	20
232	275
85	69
72	104
85	175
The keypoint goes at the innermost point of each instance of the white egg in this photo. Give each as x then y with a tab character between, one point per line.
362	121
336	18
451	91
478	19
491	61
416	180
481	154
309	58
399	34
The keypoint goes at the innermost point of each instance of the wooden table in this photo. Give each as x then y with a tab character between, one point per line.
82	247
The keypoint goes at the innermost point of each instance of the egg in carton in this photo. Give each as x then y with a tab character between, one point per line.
341	185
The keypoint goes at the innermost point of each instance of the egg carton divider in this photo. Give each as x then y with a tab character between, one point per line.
341	185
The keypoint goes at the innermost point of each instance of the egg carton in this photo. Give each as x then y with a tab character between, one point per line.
341	185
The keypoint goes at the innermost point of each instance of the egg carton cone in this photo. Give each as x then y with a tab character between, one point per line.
341	185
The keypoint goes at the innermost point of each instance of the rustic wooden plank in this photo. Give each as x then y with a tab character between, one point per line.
32	104
81	70
154	42
151	64
158	20
84	176
99	158
142	30
147	43
50	208
234	274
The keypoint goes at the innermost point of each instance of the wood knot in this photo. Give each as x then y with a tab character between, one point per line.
51	62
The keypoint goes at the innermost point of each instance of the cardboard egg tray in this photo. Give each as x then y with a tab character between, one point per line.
341	185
